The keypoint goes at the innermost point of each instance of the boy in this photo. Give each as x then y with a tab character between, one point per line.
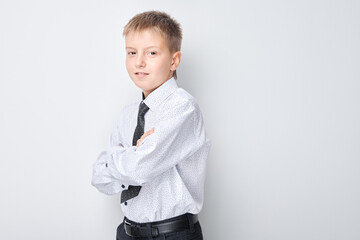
160	173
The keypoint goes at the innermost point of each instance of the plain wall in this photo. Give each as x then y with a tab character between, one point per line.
278	83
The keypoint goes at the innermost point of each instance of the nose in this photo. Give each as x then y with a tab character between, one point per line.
140	61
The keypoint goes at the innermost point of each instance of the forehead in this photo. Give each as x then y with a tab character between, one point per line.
145	38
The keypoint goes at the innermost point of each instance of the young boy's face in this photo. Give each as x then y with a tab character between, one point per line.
148	59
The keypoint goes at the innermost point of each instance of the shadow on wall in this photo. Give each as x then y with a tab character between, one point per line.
191	78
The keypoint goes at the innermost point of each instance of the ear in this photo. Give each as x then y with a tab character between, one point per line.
176	58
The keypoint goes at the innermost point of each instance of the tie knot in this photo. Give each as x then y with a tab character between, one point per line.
143	108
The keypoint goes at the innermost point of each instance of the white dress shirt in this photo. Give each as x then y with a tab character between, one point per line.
169	164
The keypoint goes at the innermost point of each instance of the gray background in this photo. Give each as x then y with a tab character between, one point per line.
278	84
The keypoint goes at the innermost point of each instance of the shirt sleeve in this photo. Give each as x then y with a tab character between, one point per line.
178	135
101	177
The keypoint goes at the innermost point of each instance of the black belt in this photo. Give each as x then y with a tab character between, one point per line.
175	224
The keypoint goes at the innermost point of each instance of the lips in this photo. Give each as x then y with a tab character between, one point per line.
141	73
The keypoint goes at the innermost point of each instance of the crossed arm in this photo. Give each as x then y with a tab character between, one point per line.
175	140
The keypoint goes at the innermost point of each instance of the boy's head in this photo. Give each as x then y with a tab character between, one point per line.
153	42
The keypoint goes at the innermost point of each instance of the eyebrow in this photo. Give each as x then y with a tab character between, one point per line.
145	48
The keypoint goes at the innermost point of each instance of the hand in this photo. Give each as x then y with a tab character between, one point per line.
144	136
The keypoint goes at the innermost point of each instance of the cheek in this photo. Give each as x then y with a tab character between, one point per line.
128	64
163	66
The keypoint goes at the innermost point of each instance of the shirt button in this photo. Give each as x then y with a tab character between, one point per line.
123	186
125	203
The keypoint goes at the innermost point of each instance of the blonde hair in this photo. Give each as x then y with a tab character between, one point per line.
161	22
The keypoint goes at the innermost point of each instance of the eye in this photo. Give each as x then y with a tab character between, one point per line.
131	53
152	53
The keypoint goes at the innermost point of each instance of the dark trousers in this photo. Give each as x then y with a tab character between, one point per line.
193	233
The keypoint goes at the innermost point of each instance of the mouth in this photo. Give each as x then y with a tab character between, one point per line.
140	74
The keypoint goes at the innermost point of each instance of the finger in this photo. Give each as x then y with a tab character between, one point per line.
144	135
150	131
142	138
138	142
147	133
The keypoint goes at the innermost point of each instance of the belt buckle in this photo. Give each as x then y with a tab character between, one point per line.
127	223
154	231
130	229
135	230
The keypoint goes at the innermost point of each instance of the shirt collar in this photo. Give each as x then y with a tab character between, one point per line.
157	96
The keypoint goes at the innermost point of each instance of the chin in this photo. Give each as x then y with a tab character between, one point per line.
142	86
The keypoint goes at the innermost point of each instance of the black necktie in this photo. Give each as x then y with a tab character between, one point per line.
133	191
